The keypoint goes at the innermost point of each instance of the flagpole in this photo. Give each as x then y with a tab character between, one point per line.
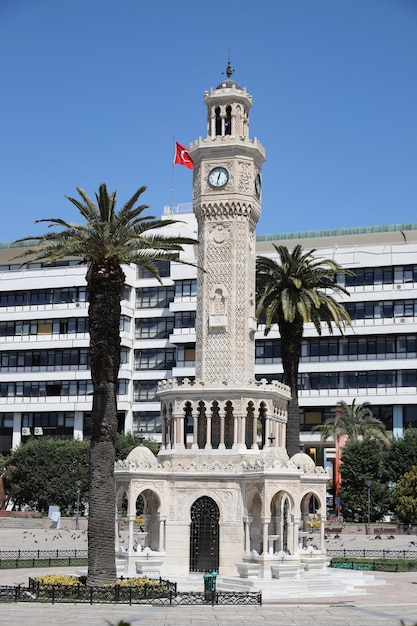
172	176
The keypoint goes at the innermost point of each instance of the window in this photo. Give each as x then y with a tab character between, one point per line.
186	288
185	355
185	319
154	327
148	422
124	324
164	268
410	415
267	351
145	390
155	359
157	297
58	424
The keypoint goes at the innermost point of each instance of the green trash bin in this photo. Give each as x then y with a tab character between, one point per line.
210	585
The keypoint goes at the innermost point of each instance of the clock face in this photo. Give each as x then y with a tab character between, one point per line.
258	184
218	177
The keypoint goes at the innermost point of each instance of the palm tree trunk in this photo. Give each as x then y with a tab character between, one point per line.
104	285
291	338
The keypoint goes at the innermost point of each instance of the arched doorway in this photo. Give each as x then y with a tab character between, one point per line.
204	536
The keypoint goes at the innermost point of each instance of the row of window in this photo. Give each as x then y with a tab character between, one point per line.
71	325
343	348
35	360
382	309
76	358
368	276
67	326
40	389
357	380
36	297
13	267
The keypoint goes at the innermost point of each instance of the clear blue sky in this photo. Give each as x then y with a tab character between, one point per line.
94	91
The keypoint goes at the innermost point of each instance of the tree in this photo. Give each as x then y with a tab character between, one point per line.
353	421
105	242
362	460
402	455
292	292
42	472
404	497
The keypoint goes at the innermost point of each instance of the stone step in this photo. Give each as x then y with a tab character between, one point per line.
327	584
21	522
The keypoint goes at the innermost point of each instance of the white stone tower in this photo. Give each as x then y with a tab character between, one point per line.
222	490
225	400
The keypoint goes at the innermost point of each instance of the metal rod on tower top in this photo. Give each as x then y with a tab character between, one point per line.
172	176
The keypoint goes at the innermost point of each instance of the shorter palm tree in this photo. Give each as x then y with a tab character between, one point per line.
354	421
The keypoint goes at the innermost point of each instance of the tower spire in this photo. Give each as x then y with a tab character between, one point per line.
229	70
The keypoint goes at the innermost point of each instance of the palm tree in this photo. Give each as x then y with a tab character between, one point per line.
105	242
290	292
354	422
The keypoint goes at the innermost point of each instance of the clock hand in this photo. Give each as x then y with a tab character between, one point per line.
218	177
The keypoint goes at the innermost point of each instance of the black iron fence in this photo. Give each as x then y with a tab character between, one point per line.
164	594
41	558
211	597
374	554
81	594
378	566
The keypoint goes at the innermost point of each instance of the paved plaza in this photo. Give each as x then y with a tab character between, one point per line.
385	604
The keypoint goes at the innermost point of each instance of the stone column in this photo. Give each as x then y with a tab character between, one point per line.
161	546
255	432
243	430
222	417
208	431
195	432
131	520
247	520
235	429
290	540
296	539
265	533
164	432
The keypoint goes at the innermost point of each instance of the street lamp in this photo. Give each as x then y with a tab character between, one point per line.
77	510
368	483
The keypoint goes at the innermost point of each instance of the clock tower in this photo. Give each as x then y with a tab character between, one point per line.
227	204
223	493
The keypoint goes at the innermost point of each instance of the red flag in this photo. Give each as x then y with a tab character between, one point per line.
182	156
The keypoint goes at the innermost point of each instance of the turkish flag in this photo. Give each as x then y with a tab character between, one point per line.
182	156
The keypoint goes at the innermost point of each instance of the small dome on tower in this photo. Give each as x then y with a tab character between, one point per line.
227	84
142	457
304	462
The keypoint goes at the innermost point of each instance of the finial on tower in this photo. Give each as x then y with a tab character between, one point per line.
228	82
229	70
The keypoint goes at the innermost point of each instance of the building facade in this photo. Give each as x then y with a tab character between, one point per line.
45	387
